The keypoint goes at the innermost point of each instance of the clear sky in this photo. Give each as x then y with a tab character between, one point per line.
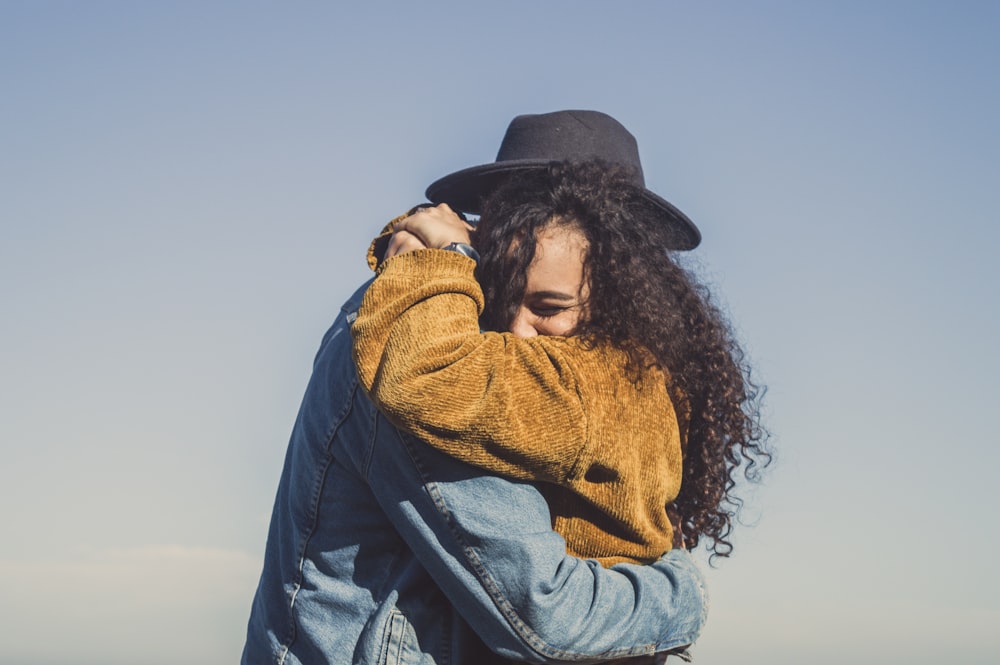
187	190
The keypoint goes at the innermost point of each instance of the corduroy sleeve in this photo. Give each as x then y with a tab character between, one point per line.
508	405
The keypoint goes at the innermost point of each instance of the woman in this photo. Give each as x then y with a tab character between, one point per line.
618	378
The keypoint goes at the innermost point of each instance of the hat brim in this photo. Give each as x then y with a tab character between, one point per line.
466	190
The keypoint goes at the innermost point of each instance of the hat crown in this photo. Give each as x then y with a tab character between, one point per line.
571	135
532	142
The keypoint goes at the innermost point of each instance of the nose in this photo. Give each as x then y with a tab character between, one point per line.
522	326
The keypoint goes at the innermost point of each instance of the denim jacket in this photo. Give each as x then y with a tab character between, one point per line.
382	550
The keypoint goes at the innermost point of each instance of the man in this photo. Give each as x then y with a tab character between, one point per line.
382	550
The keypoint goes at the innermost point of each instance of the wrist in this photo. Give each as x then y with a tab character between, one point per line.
464	249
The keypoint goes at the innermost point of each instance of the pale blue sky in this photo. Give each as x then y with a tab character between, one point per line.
188	189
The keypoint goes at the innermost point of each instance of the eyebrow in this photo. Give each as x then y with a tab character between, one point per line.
550	295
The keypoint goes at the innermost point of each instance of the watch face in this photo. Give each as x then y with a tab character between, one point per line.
462	248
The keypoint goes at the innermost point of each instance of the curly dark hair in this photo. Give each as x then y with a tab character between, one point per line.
642	300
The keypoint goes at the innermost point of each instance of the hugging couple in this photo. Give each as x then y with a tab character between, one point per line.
513	434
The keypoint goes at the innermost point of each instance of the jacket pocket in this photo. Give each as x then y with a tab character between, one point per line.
395	634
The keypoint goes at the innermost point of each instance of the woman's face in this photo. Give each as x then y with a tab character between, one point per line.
555	296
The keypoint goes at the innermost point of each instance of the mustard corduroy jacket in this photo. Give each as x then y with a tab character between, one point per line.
606	451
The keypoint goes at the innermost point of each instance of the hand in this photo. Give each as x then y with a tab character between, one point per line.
436	227
402	242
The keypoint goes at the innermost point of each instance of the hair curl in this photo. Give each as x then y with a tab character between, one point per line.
643	301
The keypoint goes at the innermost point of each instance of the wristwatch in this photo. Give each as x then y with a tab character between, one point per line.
463	248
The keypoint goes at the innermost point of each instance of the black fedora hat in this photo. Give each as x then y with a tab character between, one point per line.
533	141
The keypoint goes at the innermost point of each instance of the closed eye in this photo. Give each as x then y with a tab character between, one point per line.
547	311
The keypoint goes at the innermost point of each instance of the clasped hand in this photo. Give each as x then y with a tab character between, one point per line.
431	227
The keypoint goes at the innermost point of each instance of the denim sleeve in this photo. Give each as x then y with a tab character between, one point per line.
488	544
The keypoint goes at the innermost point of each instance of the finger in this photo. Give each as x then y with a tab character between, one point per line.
436	226
418	207
402	242
402	245
448	211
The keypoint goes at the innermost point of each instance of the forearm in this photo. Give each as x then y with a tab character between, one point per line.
488	545
487	399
